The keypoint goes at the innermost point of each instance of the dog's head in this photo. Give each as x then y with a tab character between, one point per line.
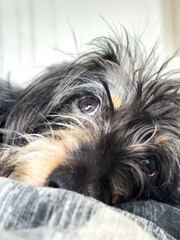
106	125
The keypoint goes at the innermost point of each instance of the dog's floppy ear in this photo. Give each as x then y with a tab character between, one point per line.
8	95
20	110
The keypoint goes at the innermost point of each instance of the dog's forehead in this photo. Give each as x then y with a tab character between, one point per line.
94	73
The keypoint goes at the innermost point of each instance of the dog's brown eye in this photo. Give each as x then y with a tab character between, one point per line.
88	105
149	166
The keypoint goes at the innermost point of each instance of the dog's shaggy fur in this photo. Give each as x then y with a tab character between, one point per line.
106	125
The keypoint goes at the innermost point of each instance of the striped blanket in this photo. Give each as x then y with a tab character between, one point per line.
28	212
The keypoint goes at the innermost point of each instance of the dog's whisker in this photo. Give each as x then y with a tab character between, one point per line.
45	120
148	140
77	121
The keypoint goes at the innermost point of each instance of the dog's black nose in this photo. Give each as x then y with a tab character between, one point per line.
54	183
61	177
82	179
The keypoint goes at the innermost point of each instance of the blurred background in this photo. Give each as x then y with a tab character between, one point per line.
36	33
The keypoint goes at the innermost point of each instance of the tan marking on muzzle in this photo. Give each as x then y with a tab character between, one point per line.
36	161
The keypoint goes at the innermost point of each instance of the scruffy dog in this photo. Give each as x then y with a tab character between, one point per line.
106	125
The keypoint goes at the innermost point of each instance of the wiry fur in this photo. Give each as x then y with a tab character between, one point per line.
103	156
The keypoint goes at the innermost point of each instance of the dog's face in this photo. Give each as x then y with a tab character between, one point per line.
106	125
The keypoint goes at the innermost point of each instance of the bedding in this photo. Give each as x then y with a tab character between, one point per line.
28	212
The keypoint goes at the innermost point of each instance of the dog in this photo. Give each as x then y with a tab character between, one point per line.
106	125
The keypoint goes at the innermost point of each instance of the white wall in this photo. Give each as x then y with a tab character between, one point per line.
31	30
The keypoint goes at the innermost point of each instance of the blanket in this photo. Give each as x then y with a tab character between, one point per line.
28	212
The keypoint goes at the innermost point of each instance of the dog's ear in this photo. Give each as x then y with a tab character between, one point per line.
8	96
23	110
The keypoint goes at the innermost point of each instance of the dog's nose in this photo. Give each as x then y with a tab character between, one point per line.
80	180
61	178
54	183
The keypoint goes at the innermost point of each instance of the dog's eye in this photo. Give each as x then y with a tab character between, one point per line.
149	166
88	105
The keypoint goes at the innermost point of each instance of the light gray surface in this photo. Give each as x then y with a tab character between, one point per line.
27	212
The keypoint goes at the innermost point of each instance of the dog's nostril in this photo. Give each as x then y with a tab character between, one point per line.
53	184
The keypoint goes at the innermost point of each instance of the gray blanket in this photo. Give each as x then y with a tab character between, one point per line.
27	212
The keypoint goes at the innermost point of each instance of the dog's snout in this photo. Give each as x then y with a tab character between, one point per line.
79	178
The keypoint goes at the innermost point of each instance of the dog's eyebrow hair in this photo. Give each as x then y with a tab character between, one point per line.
111	105
153	134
